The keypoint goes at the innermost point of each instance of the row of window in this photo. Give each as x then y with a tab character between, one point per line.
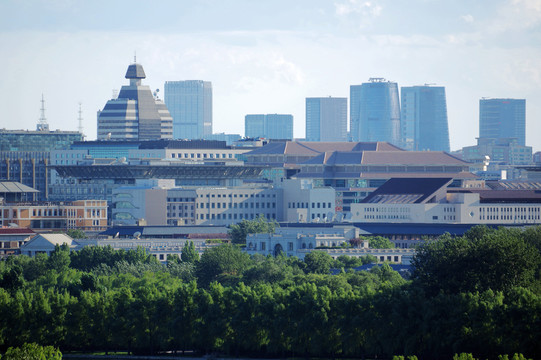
201	156
235	216
235	195
305	205
510	213
236	205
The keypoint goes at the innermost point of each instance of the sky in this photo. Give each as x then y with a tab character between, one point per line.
267	56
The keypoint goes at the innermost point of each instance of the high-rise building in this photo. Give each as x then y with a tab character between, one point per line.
190	104
270	126
375	111
135	114
326	119
503	118
423	122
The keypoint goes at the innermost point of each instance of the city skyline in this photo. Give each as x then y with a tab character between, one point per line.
264	59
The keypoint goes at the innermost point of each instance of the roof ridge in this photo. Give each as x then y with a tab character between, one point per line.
309	148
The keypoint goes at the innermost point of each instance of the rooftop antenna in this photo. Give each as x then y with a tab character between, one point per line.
134	57
80	119
42	122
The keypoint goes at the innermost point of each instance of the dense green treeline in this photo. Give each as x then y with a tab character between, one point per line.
228	302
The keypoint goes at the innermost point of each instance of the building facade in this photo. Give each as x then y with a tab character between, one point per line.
87	215
430	201
269	126
503	118
326	119
498	151
194	205
136	114
423	118
43	140
190	104
11	240
375	111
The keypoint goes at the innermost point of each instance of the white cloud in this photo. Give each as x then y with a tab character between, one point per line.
365	8
468	18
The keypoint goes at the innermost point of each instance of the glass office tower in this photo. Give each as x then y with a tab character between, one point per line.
423	120
190	104
503	118
375	111
269	126
326	119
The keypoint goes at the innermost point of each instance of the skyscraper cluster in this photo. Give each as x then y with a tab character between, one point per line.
419	122
415	119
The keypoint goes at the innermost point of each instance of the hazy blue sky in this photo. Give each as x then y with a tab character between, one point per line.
268	56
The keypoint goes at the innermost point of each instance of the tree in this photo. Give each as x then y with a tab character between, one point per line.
318	262
60	258
220	262
32	352
189	254
379	242
76	234
480	260
238	232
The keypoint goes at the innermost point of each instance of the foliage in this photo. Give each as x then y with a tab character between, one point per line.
31	351
220	262
238	232
318	262
379	242
189	254
482	259
76	234
265	307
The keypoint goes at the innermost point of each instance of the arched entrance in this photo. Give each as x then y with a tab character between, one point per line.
278	249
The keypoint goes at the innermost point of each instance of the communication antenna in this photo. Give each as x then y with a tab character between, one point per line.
80	119
42	122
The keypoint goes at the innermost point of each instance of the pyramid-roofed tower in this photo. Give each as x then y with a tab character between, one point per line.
135	114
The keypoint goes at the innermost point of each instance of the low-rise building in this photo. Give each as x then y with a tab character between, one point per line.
430	201
87	215
11	240
331	240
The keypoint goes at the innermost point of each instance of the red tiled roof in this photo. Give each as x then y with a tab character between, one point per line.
410	158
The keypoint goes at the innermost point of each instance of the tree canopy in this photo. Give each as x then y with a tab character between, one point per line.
238	232
483	259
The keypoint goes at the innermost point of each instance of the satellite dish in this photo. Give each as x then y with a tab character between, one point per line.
137	234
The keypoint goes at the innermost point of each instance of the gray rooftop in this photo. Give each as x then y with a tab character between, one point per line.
135	71
15	187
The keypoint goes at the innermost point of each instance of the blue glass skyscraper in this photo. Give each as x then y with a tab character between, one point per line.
503	118
190	105
269	126
423	120
375	111
326	119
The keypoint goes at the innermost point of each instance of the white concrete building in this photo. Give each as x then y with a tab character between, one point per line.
303	203
431	201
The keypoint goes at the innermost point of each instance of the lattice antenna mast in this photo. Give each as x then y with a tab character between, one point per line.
42	122
80	120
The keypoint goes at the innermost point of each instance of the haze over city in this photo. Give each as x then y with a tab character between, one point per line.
268	56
